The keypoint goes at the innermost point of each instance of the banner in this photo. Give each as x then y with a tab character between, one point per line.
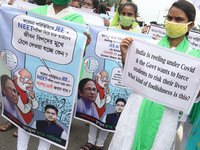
163	76
43	57
101	99
159	32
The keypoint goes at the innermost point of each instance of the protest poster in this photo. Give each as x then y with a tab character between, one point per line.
102	64
194	39
162	75
43	57
159	32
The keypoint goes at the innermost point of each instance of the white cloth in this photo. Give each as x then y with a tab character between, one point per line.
62	13
26	108
23	139
81	107
93	134
12	109
126	127
186	131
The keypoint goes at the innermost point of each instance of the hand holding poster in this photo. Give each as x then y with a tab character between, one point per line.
161	75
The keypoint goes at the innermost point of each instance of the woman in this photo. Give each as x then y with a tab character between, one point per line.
91	4
142	130
87	92
116	16
127	18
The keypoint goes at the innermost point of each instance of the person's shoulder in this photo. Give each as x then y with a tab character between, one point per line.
58	126
112	114
75	17
39	9
194	52
40	121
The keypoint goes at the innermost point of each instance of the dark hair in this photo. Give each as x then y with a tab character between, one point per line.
121	5
4	79
129	4
83	82
96	5
42	2
121	100
102	9
79	1
154	22
187	8
52	107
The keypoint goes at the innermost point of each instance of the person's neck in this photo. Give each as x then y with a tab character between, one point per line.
174	42
87	103
58	8
126	28
50	122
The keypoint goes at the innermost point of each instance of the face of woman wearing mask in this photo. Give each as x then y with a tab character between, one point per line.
177	23
127	17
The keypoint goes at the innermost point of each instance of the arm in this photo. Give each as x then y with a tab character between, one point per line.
87	42
33	100
100	102
25	108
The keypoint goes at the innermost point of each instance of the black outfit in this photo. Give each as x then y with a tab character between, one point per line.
112	119
49	128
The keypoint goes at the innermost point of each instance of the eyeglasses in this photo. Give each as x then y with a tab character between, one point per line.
105	78
26	79
88	4
91	89
12	90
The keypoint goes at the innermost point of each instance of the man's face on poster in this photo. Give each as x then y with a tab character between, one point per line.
89	91
50	115
119	106
10	91
103	79
25	81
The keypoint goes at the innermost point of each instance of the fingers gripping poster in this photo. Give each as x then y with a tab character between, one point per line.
101	94
41	59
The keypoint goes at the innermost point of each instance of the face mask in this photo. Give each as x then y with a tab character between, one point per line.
60	2
175	30
87	9
126	21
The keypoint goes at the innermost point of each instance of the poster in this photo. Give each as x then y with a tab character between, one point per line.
162	75
43	57
102	64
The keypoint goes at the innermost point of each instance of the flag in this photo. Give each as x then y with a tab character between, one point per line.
113	8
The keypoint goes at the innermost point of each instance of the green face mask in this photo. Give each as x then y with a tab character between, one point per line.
60	2
126	21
